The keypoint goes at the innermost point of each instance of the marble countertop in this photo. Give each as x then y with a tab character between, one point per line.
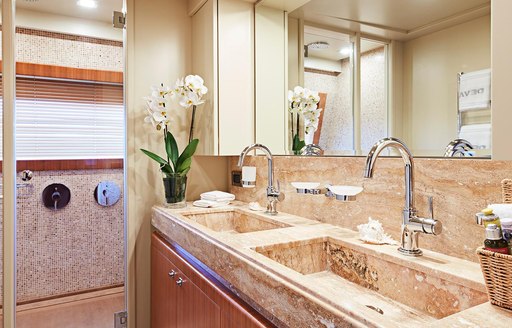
291	299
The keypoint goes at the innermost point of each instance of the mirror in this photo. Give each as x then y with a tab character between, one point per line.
415	70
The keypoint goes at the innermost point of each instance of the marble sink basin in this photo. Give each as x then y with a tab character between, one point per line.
329	263
235	222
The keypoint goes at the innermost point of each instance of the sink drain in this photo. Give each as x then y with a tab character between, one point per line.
376	309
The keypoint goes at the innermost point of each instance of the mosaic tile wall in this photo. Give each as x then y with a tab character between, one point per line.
49	48
374	115
74	249
337	130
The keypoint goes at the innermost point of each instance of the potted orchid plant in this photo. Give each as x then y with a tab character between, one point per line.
303	103
187	92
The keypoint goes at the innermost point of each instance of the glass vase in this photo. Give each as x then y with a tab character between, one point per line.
175	186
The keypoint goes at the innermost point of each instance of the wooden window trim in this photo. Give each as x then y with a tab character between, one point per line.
68	164
71	73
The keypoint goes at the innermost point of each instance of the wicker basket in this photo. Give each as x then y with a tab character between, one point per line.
496	267
497	270
506	190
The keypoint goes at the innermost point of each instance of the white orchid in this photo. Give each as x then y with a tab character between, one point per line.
196	84
190	90
304	102
187	92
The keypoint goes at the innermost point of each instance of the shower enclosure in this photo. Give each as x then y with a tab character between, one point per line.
63	198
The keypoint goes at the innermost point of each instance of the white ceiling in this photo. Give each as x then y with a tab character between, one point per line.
70	8
336	40
392	19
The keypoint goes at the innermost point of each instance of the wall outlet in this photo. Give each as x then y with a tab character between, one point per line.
236	178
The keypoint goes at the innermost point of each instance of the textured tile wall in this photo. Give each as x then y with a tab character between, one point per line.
337	130
77	248
41	47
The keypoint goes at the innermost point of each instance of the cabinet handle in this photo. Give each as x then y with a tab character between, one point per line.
172	273
180	282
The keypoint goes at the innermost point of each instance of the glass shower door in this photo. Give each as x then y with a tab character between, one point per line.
70	125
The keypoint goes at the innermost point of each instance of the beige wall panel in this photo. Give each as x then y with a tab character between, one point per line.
271	88
501	79
293	53
236	75
158	50
431	64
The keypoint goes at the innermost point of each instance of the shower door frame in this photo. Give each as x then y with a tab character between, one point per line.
9	165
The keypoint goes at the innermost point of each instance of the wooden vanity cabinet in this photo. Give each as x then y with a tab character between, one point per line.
184	295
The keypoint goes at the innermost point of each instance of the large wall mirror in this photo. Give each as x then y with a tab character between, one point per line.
416	70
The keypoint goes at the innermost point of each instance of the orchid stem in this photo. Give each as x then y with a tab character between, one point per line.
191	134
165	143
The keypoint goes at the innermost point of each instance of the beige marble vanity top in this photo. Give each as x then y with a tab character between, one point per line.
303	273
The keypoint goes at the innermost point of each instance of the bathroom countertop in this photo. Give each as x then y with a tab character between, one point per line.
290	299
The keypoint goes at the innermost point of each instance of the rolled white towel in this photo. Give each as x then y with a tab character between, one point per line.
216	195
502	210
209	203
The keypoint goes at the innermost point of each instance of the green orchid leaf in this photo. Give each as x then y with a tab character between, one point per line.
171	147
166	168
164	165
154	156
188	152
184	166
186	171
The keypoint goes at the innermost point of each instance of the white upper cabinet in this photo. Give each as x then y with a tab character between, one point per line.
223	54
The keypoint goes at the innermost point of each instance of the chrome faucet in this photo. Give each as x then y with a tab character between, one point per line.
411	224
273	194
459	148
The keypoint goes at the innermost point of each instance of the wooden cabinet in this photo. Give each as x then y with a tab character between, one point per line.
185	295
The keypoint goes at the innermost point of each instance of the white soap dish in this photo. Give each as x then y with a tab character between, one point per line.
307	187
343	193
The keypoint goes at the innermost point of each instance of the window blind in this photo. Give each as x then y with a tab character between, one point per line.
66	119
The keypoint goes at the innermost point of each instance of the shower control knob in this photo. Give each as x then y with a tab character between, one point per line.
26	175
56	196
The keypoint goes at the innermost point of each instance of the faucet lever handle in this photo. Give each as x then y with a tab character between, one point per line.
431	206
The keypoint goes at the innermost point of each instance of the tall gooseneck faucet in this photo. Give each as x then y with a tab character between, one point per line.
411	223
273	194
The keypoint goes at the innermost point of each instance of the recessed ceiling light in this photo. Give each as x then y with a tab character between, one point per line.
346	51
87	3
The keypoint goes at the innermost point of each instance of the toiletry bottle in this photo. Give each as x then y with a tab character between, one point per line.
506	230
488	217
494	241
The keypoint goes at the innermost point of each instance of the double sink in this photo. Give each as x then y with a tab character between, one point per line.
332	265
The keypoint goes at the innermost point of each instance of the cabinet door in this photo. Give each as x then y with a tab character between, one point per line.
163	291
194	308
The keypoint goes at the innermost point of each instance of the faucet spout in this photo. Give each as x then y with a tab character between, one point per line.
406	154
411	223
273	194
267	153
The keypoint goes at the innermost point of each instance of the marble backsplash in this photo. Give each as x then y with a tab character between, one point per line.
460	188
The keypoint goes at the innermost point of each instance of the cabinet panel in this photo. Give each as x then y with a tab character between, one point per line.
163	291
195	309
236	75
223	54
201	301
204	63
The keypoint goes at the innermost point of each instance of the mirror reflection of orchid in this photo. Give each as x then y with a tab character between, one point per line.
187	92
303	103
